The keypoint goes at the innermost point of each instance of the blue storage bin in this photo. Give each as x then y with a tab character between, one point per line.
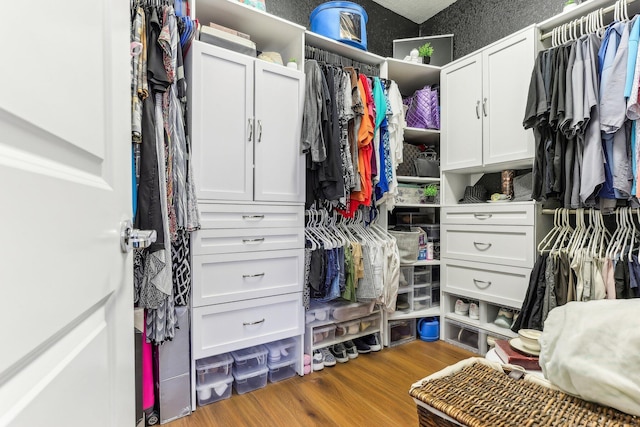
342	21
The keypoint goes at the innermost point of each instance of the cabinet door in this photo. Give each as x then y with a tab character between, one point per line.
461	145
507	71
279	163
222	123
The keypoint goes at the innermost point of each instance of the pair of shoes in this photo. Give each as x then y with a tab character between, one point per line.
327	358
504	319
339	352
352	350
461	308
474	311
368	343
317	363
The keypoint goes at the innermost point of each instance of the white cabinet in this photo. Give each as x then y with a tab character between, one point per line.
245	123
483	101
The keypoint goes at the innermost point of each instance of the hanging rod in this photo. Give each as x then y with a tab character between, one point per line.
574	211
322	55
576	19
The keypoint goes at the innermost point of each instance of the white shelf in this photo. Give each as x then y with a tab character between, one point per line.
422	263
269	32
463	319
422	136
490	327
417	205
317	40
343	339
427	312
418	179
411	76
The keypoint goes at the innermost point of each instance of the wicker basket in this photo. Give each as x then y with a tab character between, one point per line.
479	393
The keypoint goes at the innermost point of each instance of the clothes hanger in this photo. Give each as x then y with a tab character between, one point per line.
542	246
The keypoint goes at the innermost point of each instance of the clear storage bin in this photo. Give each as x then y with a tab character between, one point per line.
422	275
406	277
370	323
250	381
422	303
324	334
421	291
351	327
401	331
213	392
250	359
403	302
213	369
318	312
281	371
281	351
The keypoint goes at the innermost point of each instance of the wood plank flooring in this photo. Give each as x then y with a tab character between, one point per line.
371	390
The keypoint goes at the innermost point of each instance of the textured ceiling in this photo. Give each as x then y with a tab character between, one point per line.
416	10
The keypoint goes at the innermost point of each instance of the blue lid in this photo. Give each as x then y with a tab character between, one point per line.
340	5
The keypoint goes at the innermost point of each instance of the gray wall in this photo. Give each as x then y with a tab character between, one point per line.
383	27
476	24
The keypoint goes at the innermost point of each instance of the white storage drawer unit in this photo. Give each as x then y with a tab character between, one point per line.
233	277
490	214
250	216
220	328
246	240
503	285
510	245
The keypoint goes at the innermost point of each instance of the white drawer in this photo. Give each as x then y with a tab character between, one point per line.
517	213
250	216
510	245
501	285
220	328
233	277
246	240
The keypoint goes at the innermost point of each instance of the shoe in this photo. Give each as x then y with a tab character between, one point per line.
504	319
352	351
339	352
373	342
361	346
461	308
327	357
474	311
317	363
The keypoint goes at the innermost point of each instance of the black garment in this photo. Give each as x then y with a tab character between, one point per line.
622	280
331	176
531	313
317	273
156	73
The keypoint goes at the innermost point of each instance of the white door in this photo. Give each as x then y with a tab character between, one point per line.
221	122
66	357
507	71
279	162
461	100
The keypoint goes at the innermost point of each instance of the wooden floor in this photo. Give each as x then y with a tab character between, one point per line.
371	390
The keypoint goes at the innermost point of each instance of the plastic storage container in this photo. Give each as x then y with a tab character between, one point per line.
281	351
213	369
370	323
281	371
250	381
324	334
214	391
318	312
422	275
342	21
406	277
250	359
432	230
401	331
351	327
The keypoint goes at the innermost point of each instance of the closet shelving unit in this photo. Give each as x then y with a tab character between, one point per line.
410	77
248	258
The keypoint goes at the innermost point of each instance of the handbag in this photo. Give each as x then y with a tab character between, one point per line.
410	152
427	164
419	112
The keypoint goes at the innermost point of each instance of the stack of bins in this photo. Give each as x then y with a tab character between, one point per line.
213	378
282	359
250	368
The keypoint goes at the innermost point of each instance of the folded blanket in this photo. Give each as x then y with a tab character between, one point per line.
592	350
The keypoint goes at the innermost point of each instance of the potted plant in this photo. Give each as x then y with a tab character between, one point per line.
569	4
292	63
425	51
430	193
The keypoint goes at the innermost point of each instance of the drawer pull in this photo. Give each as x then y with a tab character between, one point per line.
482	216
253	323
248	276
481	246
477	283
248	241
256	217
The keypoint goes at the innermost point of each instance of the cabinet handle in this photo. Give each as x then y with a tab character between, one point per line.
482	246
250	130
478	109
257	322
484	107
482	216
477	283
248	276
247	241
259	130
256	217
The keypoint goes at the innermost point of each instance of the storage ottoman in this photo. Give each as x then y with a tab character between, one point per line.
479	393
